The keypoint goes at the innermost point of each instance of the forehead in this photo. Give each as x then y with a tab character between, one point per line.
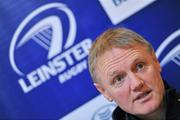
111	59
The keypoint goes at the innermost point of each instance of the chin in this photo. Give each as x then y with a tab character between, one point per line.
148	109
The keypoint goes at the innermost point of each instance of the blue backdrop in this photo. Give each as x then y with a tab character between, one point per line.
44	47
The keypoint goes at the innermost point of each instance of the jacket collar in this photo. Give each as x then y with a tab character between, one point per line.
172	104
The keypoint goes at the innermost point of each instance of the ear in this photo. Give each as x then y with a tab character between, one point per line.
103	92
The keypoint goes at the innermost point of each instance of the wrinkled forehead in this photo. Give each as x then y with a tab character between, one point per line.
111	59
121	53
114	55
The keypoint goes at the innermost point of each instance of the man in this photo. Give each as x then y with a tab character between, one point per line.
125	69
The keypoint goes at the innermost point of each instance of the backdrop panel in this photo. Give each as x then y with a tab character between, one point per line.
44	47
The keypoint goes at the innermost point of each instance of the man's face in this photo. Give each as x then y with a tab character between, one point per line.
131	77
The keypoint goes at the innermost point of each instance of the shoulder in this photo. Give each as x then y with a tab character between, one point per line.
173	105
118	113
178	93
178	96
178	105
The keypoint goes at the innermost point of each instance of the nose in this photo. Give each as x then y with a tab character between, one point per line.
136	82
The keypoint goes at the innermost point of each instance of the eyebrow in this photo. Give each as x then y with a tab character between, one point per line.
138	59
114	73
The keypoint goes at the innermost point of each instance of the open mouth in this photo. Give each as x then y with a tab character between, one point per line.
142	95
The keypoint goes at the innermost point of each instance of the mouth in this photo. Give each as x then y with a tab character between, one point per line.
142	96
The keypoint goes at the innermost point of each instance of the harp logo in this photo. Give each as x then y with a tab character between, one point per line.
104	112
172	45
43	49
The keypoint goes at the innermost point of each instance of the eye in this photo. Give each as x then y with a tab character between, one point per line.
139	66
118	80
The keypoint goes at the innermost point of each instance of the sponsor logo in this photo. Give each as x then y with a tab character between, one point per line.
119	10
104	112
173	53
47	46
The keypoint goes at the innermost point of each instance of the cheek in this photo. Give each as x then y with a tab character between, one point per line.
155	82
122	96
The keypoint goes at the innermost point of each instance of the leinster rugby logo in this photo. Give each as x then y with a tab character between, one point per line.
42	47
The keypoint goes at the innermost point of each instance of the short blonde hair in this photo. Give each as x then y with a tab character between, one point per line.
114	37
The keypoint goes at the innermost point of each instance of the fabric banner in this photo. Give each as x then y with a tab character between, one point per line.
44	47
